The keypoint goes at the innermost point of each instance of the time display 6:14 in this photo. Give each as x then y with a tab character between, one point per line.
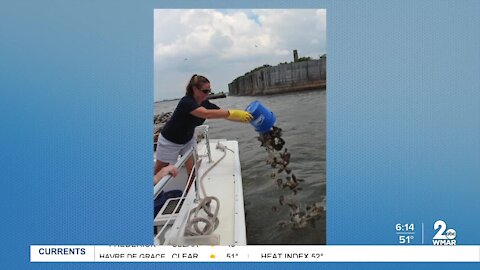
405	227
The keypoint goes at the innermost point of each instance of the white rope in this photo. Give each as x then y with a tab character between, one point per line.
211	221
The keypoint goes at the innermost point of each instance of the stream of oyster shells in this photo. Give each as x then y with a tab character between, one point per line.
286	180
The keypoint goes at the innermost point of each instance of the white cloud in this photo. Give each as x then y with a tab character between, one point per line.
225	44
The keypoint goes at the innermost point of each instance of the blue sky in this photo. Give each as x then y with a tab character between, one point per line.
224	44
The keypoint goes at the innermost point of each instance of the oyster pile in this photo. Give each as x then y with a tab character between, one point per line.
285	179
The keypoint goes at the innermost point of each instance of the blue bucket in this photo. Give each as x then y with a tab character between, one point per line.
263	118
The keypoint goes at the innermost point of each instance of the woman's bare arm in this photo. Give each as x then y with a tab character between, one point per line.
202	112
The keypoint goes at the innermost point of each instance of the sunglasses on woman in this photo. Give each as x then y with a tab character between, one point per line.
206	91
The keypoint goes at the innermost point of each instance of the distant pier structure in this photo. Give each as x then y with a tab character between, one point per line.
302	74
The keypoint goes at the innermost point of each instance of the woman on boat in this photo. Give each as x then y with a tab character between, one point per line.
176	137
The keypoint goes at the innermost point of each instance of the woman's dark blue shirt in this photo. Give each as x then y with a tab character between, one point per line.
181	126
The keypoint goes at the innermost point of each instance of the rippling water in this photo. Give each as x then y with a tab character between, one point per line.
303	120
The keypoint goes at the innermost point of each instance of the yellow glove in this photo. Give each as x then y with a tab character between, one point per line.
239	115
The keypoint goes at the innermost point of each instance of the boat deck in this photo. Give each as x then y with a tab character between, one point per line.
223	181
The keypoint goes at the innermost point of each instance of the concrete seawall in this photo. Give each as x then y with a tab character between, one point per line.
295	76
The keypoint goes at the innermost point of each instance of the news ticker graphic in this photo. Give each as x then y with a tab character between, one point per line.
46	253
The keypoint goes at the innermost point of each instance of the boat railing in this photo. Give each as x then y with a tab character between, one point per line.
203	129
166	179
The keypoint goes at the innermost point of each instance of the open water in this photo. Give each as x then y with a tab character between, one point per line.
302	117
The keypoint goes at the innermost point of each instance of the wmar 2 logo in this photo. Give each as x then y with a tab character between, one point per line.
444	236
